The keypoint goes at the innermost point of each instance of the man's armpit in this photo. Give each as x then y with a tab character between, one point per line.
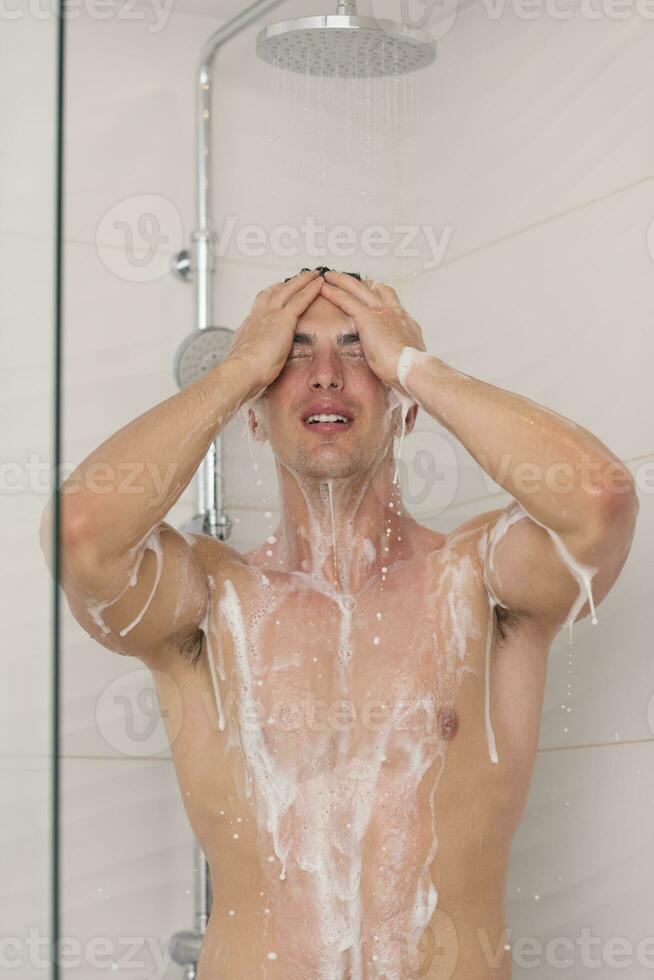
189	643
508	621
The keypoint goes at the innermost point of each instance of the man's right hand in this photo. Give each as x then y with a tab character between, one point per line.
263	341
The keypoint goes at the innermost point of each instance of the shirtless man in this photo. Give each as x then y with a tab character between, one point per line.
354	707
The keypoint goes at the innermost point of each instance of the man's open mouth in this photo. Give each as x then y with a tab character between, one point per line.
327	421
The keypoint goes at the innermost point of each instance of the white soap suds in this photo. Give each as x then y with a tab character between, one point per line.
395	399
408	357
151	540
582	573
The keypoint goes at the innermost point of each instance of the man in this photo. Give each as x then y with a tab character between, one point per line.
376	686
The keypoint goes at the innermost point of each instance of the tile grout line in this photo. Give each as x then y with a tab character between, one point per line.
516	233
595	745
166	758
541	223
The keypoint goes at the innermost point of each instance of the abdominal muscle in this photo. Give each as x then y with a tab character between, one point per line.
354	824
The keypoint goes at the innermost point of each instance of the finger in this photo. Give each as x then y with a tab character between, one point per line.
350	304
298	303
352	286
274	297
295	285
387	294
384	293
261	299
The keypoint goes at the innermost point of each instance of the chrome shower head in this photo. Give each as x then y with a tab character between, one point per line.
345	45
200	352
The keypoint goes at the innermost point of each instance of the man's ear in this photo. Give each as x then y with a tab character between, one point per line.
257	426
410	419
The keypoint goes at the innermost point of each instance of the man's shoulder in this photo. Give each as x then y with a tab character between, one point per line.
215	557
466	541
467	532
478	522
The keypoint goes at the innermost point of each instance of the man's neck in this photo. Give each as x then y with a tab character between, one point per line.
341	530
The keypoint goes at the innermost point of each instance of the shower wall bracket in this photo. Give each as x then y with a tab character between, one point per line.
182	266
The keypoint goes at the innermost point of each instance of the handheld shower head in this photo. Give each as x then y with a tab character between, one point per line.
200	352
346	45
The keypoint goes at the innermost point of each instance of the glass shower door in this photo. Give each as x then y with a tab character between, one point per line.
29	129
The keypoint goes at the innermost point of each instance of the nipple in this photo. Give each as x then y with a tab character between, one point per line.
448	723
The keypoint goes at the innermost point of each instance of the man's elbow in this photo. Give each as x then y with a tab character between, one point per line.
72	528
618	503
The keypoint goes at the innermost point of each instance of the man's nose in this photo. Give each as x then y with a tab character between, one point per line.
326	372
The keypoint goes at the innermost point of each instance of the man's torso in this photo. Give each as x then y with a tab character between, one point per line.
334	756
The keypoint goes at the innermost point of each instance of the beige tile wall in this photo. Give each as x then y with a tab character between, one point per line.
536	146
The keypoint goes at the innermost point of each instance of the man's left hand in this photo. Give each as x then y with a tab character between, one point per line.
382	323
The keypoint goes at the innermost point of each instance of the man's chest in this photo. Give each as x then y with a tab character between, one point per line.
309	665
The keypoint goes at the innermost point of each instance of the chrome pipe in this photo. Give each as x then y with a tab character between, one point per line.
211	474
203	105
202	891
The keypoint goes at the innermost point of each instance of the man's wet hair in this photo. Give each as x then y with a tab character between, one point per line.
322	269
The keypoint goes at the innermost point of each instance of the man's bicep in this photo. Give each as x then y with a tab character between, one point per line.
135	606
529	569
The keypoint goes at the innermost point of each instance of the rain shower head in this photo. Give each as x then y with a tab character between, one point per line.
345	45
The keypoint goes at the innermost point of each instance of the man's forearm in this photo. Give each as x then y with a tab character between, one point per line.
554	467
131	481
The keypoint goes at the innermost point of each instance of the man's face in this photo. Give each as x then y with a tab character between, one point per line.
327	375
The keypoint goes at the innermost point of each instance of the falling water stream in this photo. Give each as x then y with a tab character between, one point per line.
345	145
